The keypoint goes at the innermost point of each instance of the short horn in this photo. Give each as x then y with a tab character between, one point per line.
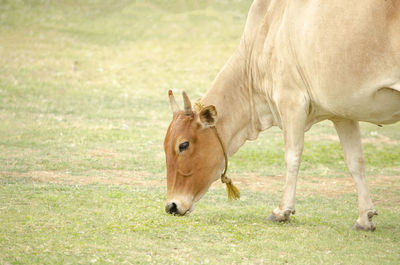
188	105
174	105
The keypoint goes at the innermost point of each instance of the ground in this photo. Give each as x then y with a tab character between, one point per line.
83	113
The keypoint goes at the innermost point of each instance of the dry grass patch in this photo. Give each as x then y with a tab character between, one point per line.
116	177
307	185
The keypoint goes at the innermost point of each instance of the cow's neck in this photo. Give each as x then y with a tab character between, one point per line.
242	111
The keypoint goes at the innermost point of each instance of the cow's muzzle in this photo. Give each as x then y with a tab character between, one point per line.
171	208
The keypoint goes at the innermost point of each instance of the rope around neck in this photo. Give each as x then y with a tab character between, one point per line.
233	191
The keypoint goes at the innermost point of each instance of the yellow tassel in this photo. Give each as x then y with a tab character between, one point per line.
233	191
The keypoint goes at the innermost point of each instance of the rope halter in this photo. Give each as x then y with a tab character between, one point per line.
233	191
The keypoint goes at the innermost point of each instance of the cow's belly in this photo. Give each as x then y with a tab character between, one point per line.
380	106
387	107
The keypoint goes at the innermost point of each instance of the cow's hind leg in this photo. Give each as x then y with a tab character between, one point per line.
350	139
293	116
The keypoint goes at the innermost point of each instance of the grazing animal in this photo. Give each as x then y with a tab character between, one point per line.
299	62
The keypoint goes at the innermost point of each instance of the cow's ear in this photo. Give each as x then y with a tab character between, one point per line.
208	116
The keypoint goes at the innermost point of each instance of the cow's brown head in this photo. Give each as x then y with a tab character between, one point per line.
193	154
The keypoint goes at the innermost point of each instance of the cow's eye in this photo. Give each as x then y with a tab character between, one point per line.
183	146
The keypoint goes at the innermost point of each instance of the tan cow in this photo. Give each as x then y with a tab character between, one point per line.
298	63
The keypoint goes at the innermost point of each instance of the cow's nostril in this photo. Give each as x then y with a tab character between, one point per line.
171	208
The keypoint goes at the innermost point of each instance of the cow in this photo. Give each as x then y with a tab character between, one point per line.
298	62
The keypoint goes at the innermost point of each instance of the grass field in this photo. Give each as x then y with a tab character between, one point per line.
83	113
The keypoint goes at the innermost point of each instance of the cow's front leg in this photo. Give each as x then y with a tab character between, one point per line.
293	123
350	139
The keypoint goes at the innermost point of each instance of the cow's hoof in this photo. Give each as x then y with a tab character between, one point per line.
368	225
358	227
285	217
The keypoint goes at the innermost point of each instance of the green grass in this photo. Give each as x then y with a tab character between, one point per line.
48	224
83	99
